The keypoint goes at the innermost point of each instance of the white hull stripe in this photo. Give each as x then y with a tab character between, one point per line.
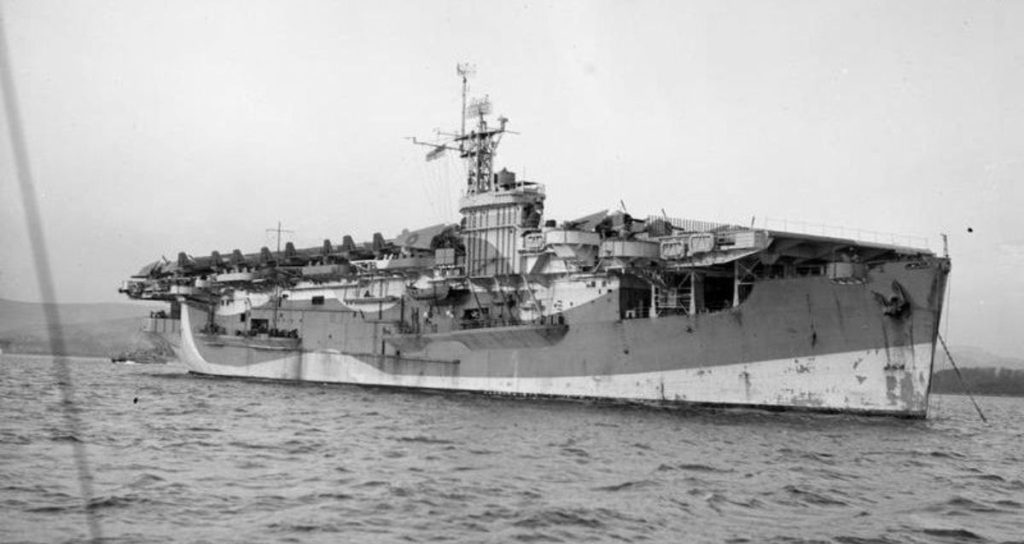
855	381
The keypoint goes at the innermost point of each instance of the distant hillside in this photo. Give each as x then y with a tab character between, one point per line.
975	357
98	330
19	315
980	381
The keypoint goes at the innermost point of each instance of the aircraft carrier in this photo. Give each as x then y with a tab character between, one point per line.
605	306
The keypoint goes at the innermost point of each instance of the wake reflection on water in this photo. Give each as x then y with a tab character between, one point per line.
199	459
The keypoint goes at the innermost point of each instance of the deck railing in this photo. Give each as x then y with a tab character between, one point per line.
832	231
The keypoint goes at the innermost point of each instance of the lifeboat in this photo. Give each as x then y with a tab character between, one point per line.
428	290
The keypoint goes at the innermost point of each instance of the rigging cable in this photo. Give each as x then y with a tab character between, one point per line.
963	383
949	285
61	371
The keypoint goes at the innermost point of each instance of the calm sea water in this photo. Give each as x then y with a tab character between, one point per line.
213	460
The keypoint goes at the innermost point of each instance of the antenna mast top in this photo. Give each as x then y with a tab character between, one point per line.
464	69
477	147
279	230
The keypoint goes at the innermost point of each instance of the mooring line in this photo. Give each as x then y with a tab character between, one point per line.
963	383
33	219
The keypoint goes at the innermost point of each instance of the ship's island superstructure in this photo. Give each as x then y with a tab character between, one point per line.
606	306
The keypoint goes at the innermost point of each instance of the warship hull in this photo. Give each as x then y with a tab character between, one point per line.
809	343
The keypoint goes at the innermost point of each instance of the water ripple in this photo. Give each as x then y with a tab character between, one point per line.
216	460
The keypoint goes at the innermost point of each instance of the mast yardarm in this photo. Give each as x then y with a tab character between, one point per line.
479	145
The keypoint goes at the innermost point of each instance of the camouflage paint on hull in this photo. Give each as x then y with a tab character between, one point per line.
807	343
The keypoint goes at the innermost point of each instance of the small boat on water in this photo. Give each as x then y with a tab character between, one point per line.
139	357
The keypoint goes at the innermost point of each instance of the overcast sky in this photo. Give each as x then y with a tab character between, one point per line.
162	126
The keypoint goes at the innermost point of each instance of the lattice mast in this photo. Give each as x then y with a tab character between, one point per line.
479	146
476	147
496	207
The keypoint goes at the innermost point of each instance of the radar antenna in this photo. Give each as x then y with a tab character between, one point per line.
478	107
477	147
